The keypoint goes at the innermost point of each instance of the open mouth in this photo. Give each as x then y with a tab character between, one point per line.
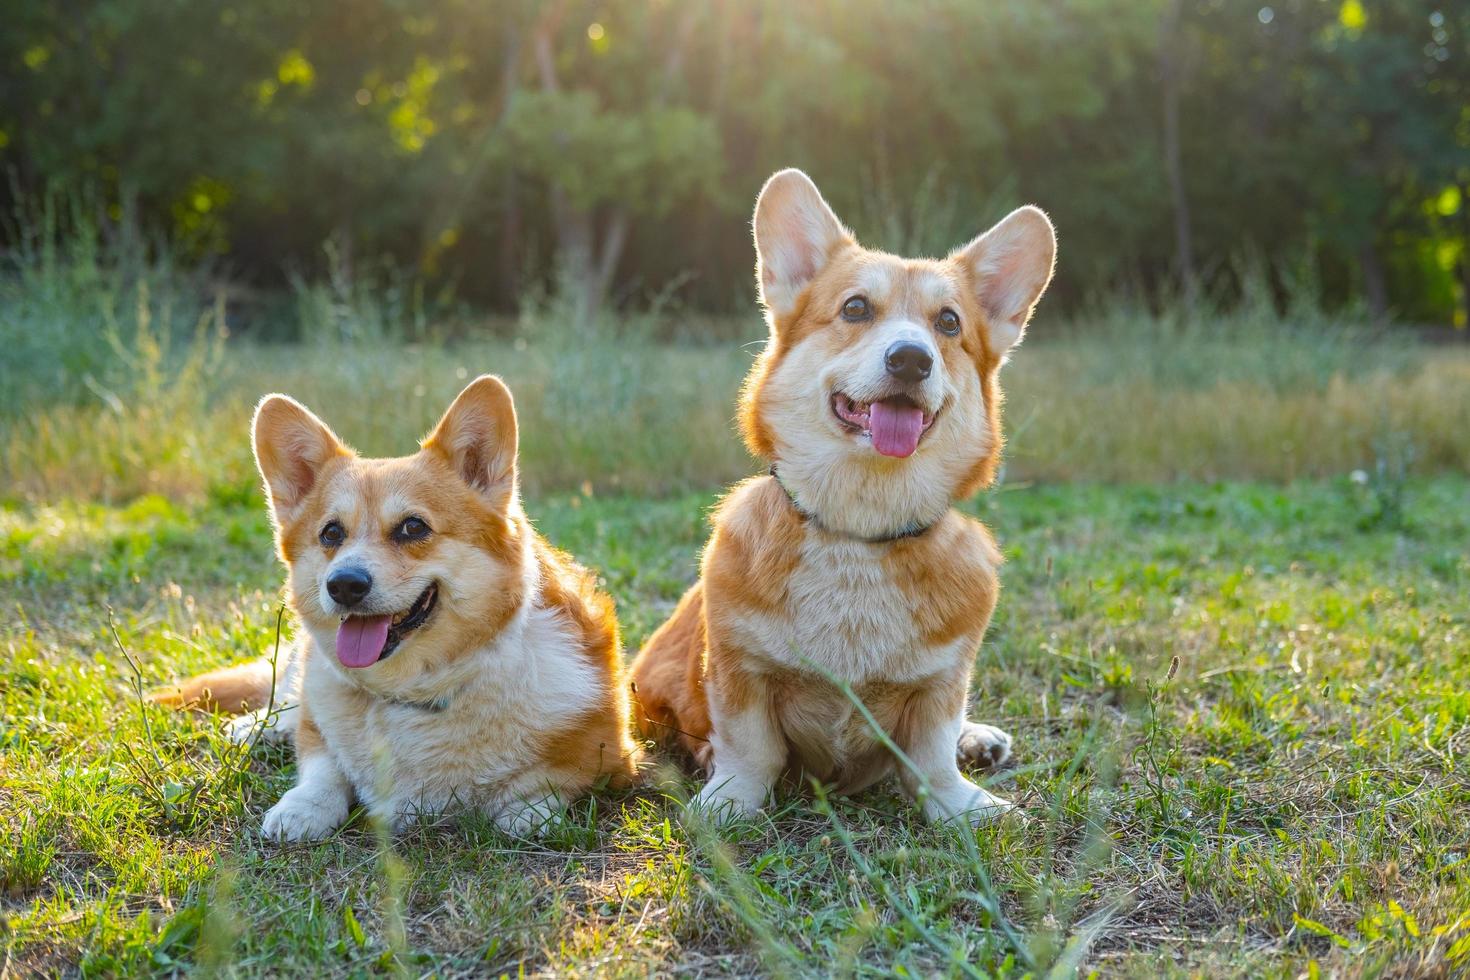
896	424
364	640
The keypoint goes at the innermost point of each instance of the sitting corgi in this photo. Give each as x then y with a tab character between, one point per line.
449	657
876	403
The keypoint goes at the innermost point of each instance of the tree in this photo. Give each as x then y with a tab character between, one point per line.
487	147
607	152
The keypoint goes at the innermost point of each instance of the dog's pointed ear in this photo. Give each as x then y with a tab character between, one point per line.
795	234
291	447
478	438
1009	268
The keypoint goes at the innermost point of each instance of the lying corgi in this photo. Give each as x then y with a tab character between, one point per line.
449	657
876	403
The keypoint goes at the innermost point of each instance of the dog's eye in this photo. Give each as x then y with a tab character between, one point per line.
333	534
947	322
856	308
411	529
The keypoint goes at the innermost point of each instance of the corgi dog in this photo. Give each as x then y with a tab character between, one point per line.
845	573
448	657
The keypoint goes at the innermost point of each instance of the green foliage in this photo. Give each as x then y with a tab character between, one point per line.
489	147
646	160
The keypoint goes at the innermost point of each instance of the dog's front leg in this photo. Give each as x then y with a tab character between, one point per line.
748	750
531	817
319	802
935	781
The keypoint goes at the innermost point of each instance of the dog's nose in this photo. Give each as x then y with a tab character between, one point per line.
908	362
349	586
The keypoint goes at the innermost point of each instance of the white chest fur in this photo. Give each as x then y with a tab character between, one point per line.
483	746
845	616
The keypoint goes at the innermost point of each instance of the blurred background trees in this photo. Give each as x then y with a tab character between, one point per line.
608	151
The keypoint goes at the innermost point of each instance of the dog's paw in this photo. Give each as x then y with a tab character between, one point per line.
966	803
982	746
704	759
242	729
303	816
529	819
723	807
273	728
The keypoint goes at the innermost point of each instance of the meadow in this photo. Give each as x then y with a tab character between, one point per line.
1233	647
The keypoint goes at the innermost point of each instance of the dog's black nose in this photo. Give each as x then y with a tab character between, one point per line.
349	586
908	362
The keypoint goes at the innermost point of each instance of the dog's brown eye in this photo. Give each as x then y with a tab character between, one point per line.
856	308
411	529
333	534
948	322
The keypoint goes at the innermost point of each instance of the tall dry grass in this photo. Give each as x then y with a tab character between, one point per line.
1202	393
117	385
652	420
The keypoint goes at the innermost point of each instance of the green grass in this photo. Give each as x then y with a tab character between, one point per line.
1295	792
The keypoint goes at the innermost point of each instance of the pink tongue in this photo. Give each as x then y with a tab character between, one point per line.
360	640
896	428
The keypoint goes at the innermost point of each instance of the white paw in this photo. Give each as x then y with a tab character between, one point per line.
722	805
303	816
966	802
982	746
529	819
241	729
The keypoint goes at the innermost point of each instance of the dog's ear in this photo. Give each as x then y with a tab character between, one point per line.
1009	268
795	234
291	447
478	437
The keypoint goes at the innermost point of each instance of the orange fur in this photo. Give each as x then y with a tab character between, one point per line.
668	683
510	693
237	689
599	742
813	315
779	573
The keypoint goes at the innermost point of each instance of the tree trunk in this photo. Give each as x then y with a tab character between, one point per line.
588	260
574	256
578	263
614	239
1375	287
1170	72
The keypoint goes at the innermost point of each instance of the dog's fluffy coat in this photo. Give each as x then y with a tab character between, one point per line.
508	699
812	574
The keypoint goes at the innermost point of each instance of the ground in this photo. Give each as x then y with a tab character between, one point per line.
1242	722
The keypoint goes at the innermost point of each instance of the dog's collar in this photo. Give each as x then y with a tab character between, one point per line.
913	529
432	707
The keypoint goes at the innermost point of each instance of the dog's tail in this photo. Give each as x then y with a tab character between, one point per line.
236	690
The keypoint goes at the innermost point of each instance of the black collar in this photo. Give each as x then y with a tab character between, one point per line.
911	530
